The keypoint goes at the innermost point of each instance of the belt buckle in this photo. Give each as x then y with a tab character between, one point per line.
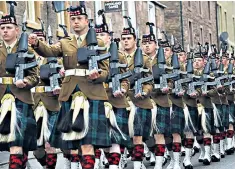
7	80
106	85
40	89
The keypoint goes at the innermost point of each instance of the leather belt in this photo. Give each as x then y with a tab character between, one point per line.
77	72
41	89
7	80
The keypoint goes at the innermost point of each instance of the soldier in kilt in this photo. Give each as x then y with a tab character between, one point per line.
205	110
140	113
191	119
117	100
177	120
82	117
228	109
161	110
46	110
18	125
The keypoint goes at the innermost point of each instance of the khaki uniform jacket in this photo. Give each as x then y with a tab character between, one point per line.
206	100
23	94
68	49
144	103
189	101
117	101
160	98
49	100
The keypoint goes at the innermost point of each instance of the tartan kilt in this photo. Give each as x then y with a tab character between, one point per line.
193	112
231	112
26	135
177	120
121	115
162	120
98	133
55	137
225	120
142	123
210	121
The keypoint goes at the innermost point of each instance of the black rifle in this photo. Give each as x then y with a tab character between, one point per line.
161	61
90	53
115	76
182	75
17	63
137	78
50	72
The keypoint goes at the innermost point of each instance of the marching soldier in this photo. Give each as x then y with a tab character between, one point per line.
82	93
117	100
228	109
46	112
177	120
205	110
191	106
160	98
18	125
140	115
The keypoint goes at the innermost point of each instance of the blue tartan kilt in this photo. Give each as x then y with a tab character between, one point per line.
225	120
232	112
177	121
193	112
142	123
55	137
121	115
98	134
210	121
26	134
162	120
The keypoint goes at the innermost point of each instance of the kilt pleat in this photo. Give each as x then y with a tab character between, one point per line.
142	123
163	120
225	120
121	115
193	112
55	137
177	121
232	112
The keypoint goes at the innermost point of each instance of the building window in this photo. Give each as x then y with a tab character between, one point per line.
200	7
190	27
132	12
220	19
201	36
30	6
151	14
98	6
210	36
3	7
60	18
209	10
189	4
225	20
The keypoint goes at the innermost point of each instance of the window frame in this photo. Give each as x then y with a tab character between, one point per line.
152	15
190	24
30	7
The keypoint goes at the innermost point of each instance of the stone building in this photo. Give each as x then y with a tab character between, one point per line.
226	19
139	11
191	21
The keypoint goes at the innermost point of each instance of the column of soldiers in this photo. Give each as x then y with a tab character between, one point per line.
108	101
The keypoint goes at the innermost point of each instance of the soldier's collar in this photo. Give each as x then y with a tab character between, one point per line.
81	36
131	54
12	45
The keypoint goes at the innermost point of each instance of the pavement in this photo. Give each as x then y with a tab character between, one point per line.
226	163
